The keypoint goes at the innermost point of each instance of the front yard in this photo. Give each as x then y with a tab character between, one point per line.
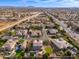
19	54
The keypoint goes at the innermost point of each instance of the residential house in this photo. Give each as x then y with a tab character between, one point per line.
37	44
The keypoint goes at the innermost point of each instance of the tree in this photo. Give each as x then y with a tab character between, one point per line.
45	56
67	53
27	49
46	42
32	55
13	32
22	54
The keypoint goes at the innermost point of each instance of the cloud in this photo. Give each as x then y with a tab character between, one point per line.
31	1
44	0
51	3
41	3
59	0
76	0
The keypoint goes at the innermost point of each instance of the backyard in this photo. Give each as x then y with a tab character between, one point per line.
19	54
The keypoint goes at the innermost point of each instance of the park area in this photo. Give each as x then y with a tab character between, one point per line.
48	50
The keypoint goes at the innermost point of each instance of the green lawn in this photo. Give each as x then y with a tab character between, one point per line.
35	36
2	42
48	50
21	40
21	37
36	27
19	53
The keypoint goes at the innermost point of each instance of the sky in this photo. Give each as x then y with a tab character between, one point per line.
40	3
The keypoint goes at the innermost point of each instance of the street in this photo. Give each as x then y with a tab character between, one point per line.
18	22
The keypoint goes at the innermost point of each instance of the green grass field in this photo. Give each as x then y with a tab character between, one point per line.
48	50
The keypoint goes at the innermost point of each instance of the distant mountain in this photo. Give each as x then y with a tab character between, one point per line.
30	6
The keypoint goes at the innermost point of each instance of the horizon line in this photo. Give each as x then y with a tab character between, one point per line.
35	7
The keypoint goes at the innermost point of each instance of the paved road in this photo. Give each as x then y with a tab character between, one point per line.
20	21
64	27
61	24
45	36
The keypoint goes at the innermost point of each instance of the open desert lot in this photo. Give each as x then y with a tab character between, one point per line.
4	24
